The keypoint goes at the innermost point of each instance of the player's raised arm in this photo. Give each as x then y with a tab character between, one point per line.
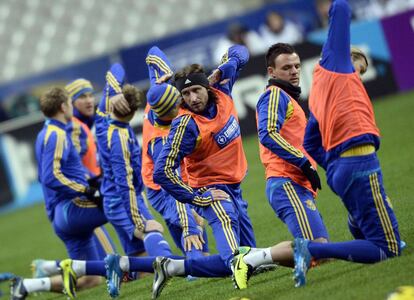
159	66
226	74
115	78
336	50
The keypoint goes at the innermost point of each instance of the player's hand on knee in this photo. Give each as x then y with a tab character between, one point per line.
193	240
152	225
310	173
119	102
219	195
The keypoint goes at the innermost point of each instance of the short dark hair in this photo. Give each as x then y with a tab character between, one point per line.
52	100
276	50
134	98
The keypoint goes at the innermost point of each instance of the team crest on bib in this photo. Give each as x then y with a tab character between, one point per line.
228	133
309	204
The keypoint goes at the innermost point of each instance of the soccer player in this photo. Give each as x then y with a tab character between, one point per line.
79	129
342	137
207	134
162	107
120	156
292	180
67	195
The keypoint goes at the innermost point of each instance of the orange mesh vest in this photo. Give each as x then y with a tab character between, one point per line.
89	159
293	131
219	156
341	106
150	132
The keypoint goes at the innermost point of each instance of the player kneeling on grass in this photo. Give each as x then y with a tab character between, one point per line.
71	204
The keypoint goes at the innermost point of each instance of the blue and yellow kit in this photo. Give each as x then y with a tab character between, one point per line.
122	184
63	180
281	126
178	216
191	139
343	137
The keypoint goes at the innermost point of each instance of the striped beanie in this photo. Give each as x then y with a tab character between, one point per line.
162	98
78	87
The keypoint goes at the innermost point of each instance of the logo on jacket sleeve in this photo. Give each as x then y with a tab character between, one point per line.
228	133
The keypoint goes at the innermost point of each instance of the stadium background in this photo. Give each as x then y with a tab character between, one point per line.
46	43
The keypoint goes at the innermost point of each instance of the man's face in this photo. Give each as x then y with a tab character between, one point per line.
85	104
287	68
360	65
195	97
67	109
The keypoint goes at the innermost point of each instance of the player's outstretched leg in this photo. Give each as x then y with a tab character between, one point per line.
302	258
17	289
241	270
69	278
114	274
161	276
44	268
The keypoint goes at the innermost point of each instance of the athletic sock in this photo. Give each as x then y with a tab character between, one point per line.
95	267
140	264
361	251
156	245
124	263
176	267
79	267
258	257
207	266
37	284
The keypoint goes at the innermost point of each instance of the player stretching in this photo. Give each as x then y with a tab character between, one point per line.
163	105
66	192
207	134
342	136
81	93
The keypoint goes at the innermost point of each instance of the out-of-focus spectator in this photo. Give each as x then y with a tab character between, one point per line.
241	35
322	7
278	29
22	105
3	114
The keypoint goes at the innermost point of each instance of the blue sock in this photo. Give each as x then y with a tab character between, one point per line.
144	264
361	251
207	266
95	267
156	245
176	233
141	264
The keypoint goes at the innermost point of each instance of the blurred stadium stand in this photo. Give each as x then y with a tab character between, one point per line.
37	35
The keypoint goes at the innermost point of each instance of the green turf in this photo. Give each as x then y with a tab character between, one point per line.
26	234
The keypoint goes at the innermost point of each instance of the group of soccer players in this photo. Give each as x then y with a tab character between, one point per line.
192	163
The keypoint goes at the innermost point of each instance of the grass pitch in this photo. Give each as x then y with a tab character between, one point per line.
27	234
